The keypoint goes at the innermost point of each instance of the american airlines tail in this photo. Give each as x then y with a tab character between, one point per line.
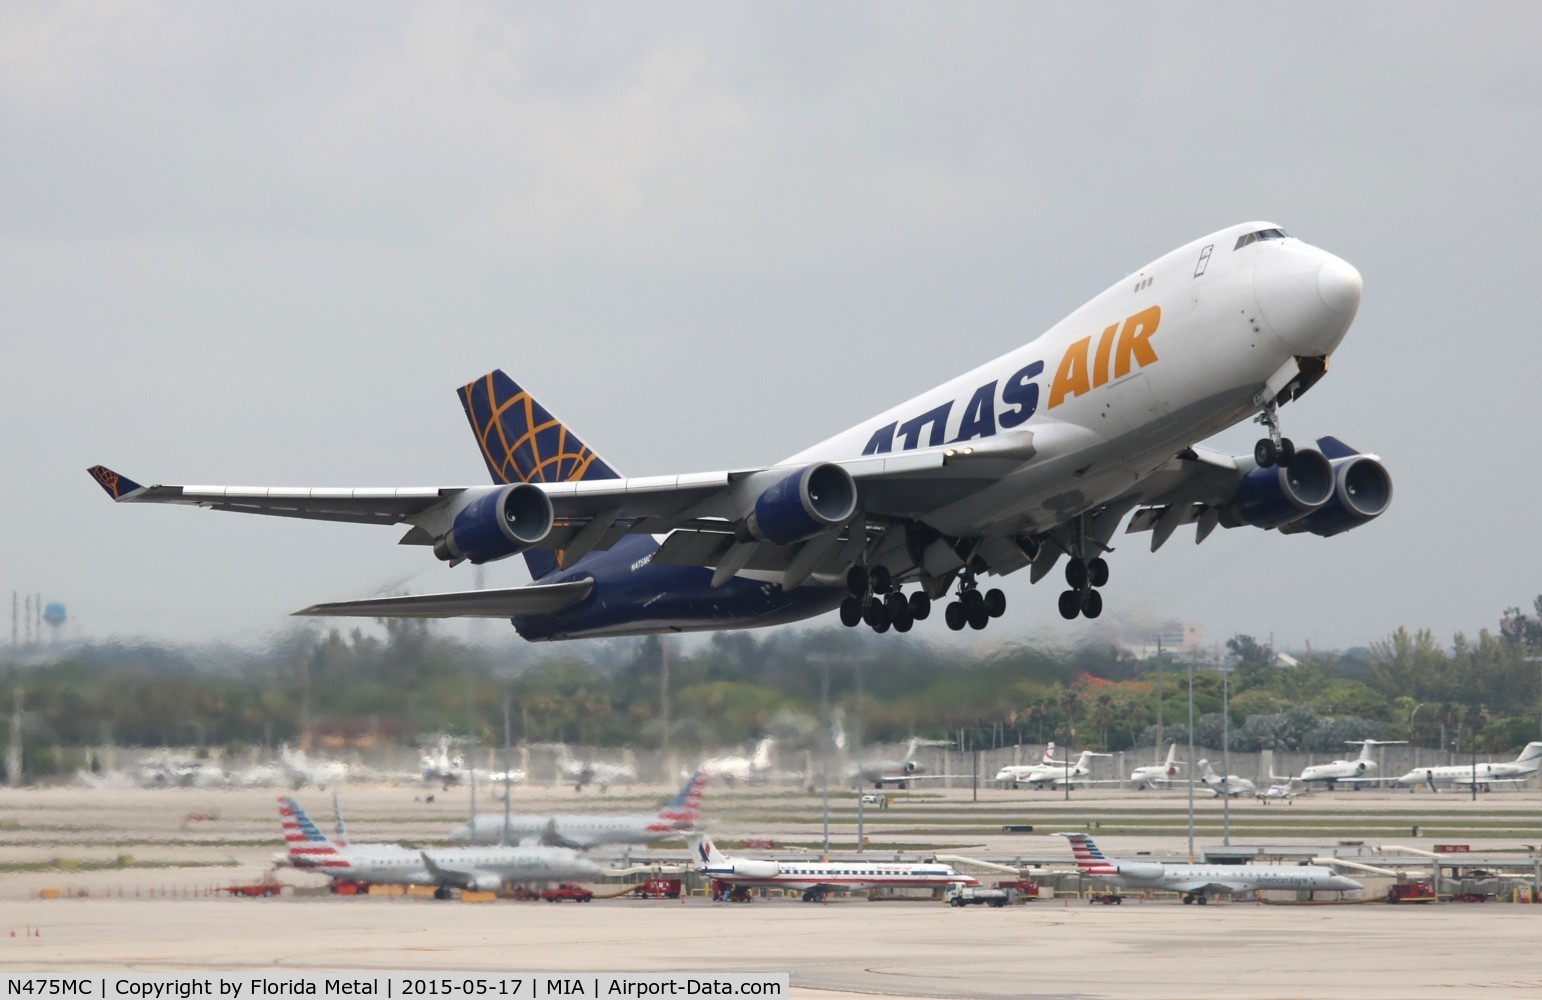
308	847
1088	858
522	442
684	810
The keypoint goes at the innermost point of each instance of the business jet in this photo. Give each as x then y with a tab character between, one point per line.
817	879
1282	789
1230	786
1051	772
736	769
1158	775
481	869
1356	772
1037	455
1197	883
879	771
678	817
1482	775
579	773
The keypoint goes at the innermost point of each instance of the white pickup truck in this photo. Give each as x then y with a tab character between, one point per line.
960	894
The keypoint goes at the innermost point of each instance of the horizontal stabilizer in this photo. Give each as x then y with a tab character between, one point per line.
536	599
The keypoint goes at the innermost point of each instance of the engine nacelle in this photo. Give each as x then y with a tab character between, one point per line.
911	767
756	869
1362	491
486	882
803	504
1280	494
497	524
1140	869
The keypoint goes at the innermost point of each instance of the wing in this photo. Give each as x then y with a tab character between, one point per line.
534	599
1199	885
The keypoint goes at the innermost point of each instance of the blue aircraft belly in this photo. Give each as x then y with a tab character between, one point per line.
633	596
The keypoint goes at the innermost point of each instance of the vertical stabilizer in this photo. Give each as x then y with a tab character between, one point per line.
522	442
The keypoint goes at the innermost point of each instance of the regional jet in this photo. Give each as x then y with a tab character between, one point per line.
1158	775
816	879
1036	456
676	818
1477	775
483	869
1197	883
1053	772
1230	786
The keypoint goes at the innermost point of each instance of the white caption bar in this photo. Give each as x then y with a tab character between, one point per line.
399	985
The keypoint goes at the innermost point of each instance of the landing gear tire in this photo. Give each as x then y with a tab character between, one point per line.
881	579
1265	453
976	614
1097	572
898	610
920	606
904	624
973	601
1070	604
995	603
956	616
1202	900
876	615
442	893
1076	574
1187	900
856	582
1287	451
1092	604
851	612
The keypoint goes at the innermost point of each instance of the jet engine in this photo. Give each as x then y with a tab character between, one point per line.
803	504
1140	869
1277	495
756	869
497	524
1362	490
486	882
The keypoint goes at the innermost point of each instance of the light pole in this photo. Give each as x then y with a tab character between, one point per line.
1226	751
824	711
1191	760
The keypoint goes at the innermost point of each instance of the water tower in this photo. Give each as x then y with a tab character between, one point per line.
55	614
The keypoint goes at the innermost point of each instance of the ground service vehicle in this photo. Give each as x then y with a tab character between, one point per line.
959	894
659	888
567	890
1411	892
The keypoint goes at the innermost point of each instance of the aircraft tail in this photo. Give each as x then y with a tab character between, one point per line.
684	810
706	855
762	759
522	442
1089	859
1530	753
1049	753
308	847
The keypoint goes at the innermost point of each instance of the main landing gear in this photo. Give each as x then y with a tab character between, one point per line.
875	600
973	608
1273	449
1083	576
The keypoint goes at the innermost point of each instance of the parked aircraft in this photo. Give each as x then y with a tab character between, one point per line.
301	769
591	772
1283	789
1158	775
1038	454
816	879
879	771
1359	771
735	769
1482	775
1231	785
1052	772
484	869
679	816
1197	883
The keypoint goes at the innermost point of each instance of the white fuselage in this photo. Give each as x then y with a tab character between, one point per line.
1465	774
1177	351
391	864
805	876
1236	878
1339	770
1155	775
1047	773
579	830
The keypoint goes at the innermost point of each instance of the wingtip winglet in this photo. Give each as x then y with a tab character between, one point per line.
118	486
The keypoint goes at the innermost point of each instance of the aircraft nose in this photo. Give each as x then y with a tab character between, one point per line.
1307	296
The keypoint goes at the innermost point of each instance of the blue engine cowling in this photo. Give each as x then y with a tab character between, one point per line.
497	524
803	504
1362	490
1277	495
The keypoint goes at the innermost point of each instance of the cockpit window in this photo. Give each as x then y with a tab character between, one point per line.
1262	234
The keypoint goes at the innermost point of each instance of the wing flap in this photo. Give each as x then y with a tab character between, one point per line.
535	599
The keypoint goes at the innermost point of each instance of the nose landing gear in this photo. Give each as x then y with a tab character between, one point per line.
1273	449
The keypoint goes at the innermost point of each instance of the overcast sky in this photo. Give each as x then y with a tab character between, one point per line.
264	243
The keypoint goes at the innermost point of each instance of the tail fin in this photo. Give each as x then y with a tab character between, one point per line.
684	810
1049	753
762	759
1088	858
342	827
522	442
706	855
1529	752
308	847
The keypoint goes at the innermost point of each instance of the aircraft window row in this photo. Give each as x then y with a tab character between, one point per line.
1262	234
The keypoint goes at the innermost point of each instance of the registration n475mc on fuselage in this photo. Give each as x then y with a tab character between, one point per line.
1026	460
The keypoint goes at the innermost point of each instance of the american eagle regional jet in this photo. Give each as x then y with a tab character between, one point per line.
1036	456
